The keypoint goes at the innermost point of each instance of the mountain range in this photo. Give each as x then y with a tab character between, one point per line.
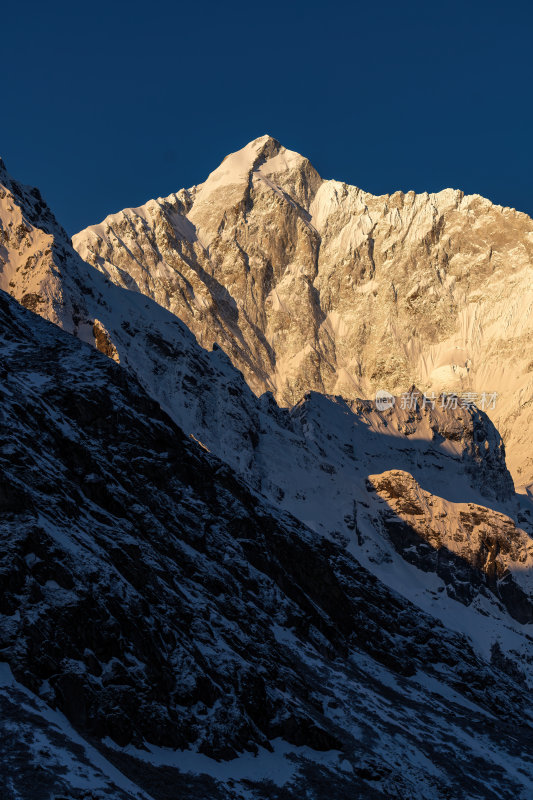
228	572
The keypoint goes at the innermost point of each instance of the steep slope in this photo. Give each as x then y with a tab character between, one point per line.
33	253
310	284
206	642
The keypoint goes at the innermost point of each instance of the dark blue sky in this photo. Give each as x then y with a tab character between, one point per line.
108	104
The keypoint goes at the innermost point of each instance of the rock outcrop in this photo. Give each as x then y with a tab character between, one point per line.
467	545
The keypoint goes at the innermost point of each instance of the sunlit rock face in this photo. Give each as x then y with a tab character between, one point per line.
313	284
467	545
32	252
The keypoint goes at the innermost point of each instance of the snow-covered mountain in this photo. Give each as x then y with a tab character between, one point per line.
311	284
409	513
323	442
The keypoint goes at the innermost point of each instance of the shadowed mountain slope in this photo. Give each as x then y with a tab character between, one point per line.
156	601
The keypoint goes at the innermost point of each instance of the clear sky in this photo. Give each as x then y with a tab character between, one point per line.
104	105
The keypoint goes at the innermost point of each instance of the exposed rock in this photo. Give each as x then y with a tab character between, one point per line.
159	601
465	544
103	343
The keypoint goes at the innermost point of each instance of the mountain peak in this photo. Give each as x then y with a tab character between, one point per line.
266	139
263	162
237	167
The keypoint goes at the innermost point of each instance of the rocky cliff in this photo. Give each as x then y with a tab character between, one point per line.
467	545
